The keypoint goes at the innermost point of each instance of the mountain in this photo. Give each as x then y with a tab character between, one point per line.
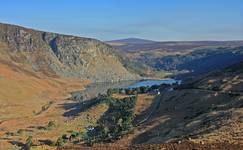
129	41
177	58
135	45
62	55
186	63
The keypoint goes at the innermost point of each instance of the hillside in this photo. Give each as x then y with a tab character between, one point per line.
206	110
177	58
30	98
62	55
39	71
201	113
182	63
205	113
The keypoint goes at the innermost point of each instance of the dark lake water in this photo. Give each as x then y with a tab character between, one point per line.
153	82
94	89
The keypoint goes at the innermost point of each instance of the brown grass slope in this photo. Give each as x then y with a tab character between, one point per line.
23	95
208	110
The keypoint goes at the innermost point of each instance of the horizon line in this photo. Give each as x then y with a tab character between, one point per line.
125	38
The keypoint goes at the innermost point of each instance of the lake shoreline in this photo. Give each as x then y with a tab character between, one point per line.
92	90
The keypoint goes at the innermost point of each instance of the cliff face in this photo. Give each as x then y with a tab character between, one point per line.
62	55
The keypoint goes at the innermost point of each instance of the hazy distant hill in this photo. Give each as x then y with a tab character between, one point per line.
62	55
131	41
192	57
132	44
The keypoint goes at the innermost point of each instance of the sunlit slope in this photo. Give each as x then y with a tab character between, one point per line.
23	91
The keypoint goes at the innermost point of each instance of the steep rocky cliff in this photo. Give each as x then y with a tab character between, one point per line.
62	55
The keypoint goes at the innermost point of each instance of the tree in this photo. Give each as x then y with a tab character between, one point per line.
29	143
109	92
144	89
62	140
112	91
73	135
65	138
59	142
51	125
128	91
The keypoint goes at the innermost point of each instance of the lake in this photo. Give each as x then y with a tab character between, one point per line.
153	82
92	90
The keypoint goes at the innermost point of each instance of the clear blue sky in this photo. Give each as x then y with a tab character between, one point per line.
160	20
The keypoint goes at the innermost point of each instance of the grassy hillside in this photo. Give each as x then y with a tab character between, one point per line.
184	63
192	115
31	99
207	110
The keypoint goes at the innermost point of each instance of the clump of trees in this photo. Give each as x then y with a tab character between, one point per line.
115	123
71	137
137	90
62	140
112	91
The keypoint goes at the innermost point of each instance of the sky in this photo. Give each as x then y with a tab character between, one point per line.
160	20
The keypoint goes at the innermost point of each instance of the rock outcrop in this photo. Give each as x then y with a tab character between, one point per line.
63	55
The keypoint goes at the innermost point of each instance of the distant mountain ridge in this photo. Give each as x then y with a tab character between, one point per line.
132	41
63	55
136	44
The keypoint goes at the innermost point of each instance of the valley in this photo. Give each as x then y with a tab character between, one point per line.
62	91
177	59
194	113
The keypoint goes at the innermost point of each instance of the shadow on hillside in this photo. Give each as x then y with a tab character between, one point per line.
17	143
181	115
73	109
146	114
46	142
